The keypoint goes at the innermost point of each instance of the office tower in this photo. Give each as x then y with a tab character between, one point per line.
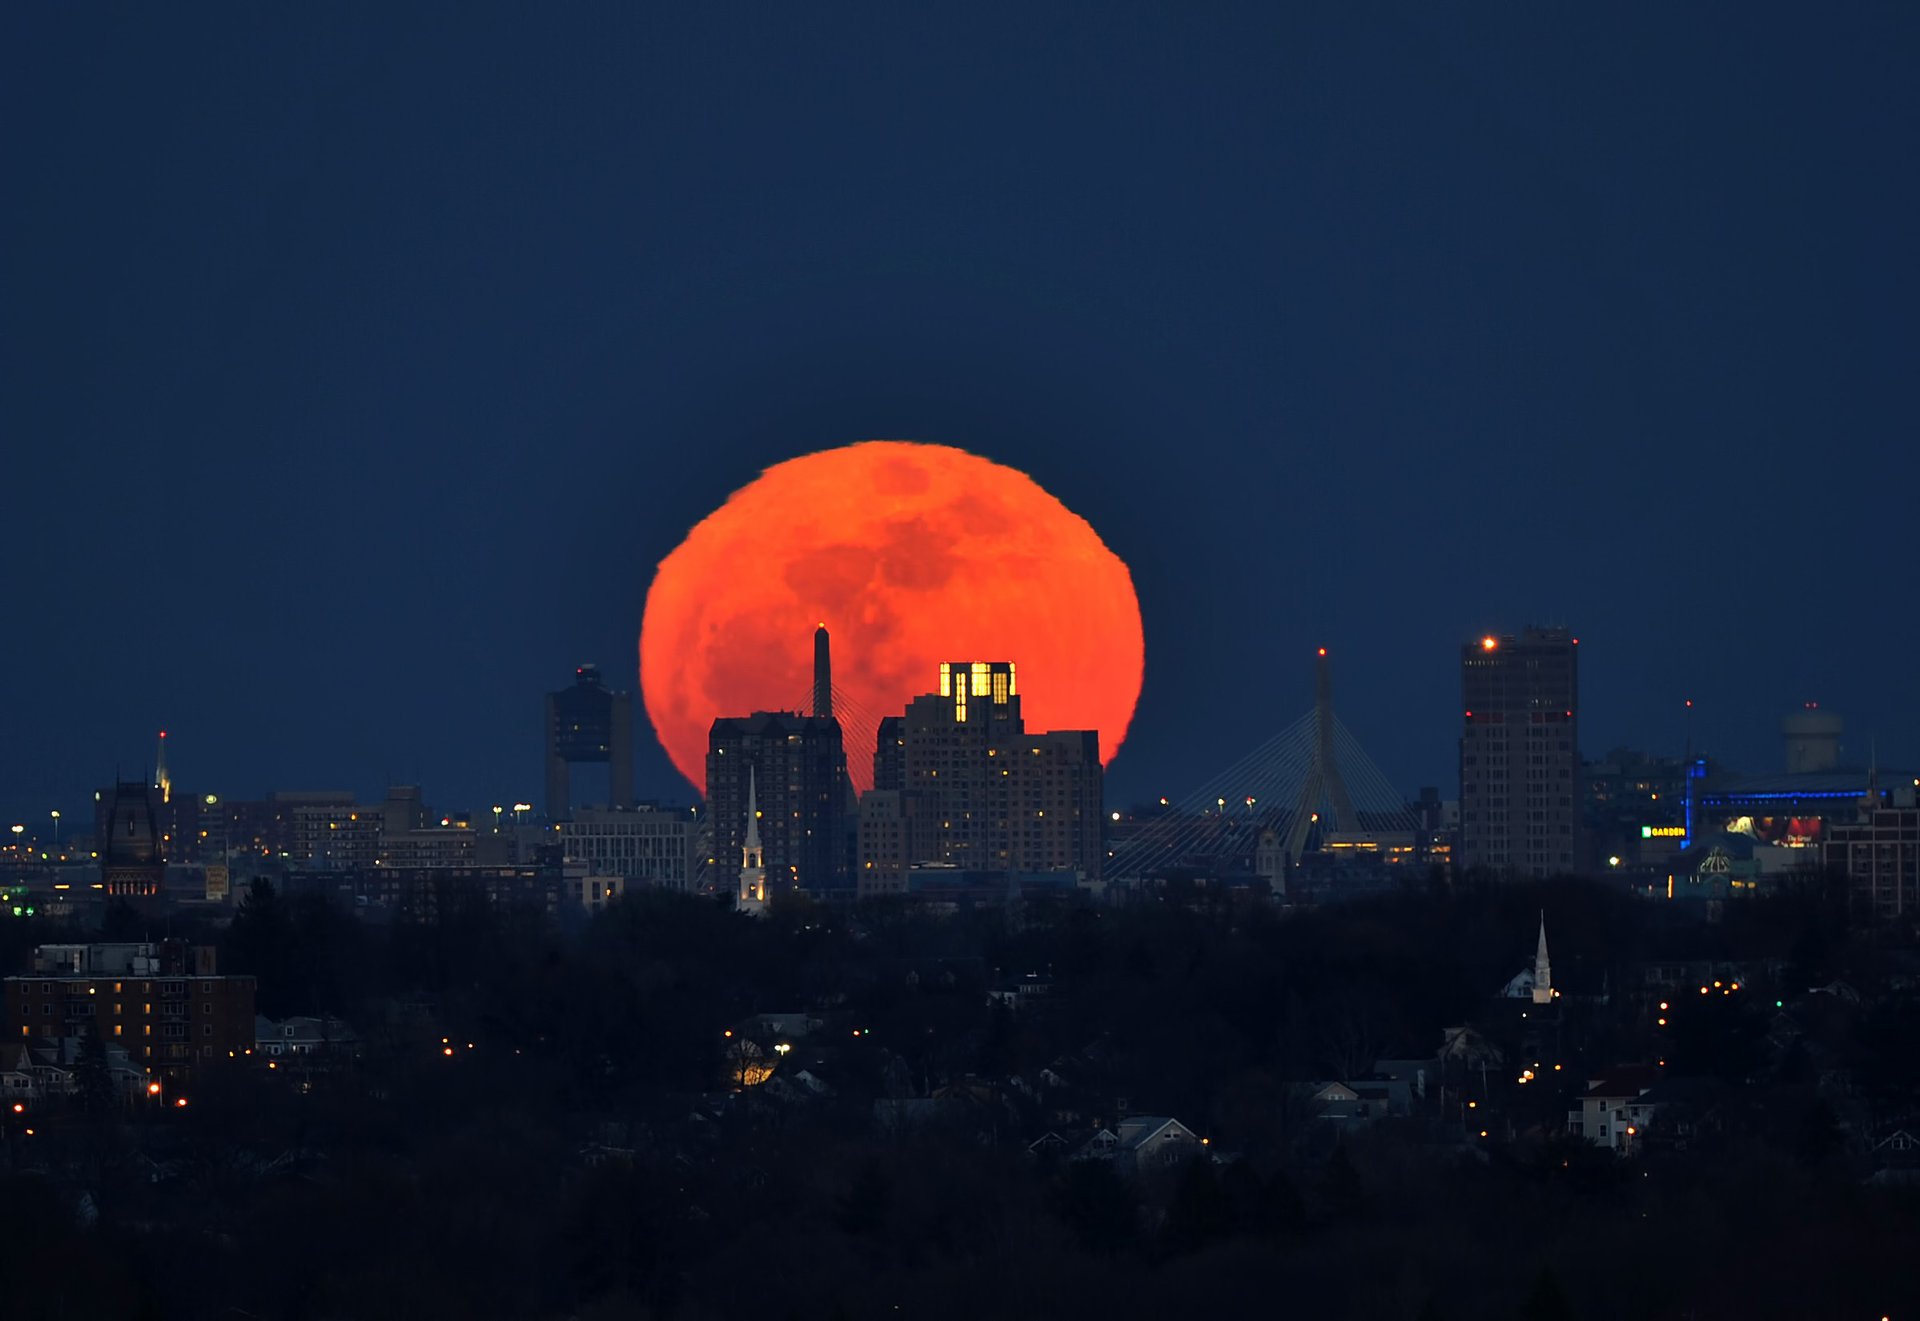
960	781
795	767
1519	752
588	723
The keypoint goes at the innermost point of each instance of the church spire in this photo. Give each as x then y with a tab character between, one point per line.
753	868
1542	968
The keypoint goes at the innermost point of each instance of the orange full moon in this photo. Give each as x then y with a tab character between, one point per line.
911	555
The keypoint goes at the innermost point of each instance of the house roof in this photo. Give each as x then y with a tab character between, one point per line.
1625	1081
1138	1131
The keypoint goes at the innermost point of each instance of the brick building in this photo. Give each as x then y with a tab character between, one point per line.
163	1003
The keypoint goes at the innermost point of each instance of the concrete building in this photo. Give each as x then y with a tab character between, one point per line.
893	831
330	830
958	780
796	767
1520	800
163	1003
441	846
643	846
425	894
588	724
1812	737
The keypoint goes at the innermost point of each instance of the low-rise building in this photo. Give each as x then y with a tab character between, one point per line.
162	1003
1615	1109
643	846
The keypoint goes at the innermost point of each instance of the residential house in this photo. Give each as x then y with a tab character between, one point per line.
1615	1108
1151	1142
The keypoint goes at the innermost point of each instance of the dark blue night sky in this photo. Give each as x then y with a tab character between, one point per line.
359	366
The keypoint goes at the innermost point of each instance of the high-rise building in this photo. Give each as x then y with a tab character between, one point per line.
588	723
958	780
1519	752
796	767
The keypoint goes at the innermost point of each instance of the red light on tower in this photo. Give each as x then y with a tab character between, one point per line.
1489	642
1323	651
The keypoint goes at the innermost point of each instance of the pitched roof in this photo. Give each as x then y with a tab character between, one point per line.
1625	1081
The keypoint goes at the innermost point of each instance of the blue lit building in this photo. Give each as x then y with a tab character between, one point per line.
1787	810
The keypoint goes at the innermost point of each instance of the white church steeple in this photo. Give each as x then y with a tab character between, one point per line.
1542	968
753	862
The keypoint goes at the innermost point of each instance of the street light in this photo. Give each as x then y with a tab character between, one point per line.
497	810
56	829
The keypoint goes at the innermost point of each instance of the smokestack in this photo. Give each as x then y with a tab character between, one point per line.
822	673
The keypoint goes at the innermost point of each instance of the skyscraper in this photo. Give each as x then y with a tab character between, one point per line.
588	723
959	780
1519	752
795	768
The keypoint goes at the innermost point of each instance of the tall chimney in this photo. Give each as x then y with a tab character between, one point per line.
822	673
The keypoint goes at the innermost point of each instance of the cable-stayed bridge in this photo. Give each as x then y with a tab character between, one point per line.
1309	787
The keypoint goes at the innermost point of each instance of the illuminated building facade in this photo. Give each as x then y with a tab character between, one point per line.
588	724
960	781
794	766
331	830
1519	752
164	1003
1635	807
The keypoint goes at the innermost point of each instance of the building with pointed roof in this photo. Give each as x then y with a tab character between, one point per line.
753	858
1542	968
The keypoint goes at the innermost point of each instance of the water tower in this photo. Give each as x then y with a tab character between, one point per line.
1813	739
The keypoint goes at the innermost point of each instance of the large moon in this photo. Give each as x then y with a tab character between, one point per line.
910	554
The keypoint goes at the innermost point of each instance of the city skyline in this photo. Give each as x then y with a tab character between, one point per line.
1455	337
1764	738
